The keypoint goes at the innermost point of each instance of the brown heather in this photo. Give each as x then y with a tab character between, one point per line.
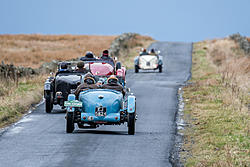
33	50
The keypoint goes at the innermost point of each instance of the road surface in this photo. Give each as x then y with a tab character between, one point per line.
39	139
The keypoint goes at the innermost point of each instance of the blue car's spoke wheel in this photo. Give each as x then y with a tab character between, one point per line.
131	123
70	122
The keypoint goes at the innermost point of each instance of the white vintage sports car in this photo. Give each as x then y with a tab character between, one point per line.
148	62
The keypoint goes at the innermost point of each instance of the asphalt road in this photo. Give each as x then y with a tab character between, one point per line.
39	139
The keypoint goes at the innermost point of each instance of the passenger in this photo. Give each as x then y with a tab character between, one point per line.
89	56
105	57
143	52
113	84
152	51
80	66
88	83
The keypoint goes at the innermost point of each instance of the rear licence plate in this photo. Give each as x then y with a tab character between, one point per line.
100	114
100	111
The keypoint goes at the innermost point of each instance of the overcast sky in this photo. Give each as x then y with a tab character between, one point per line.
165	20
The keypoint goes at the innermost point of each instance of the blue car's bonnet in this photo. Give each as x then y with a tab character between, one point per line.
93	98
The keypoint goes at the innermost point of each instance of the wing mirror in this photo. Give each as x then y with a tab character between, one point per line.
115	58
158	52
128	89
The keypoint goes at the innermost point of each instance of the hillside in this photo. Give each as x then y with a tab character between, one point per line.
33	50
217	105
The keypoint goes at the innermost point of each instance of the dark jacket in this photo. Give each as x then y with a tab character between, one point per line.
87	59
117	87
82	70
108	59
84	86
143	53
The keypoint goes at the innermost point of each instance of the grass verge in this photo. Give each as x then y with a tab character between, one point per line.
15	100
217	108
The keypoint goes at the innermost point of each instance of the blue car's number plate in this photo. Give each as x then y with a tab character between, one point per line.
100	111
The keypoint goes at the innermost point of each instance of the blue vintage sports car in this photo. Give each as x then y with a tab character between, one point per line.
96	107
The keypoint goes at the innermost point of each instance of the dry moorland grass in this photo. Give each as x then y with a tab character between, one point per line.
15	99
33	50
218	104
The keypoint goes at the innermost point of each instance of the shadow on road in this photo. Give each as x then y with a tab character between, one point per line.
148	72
58	111
104	132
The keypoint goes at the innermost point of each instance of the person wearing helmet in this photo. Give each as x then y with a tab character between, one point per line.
112	83
63	68
88	83
80	66
105	57
89	56
143	52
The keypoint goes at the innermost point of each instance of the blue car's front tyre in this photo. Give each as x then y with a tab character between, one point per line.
131	123
70	122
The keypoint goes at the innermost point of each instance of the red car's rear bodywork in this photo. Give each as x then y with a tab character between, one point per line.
101	69
106	69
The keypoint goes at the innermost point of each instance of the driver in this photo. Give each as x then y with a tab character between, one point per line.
113	84
63	68
80	66
143	52
88	83
89	56
105	56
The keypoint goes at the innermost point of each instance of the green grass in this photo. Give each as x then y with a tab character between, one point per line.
219	133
